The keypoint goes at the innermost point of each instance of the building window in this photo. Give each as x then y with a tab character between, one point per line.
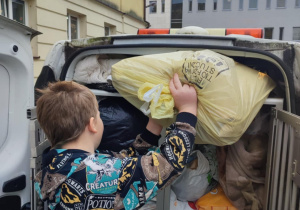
18	11
280	4
176	14
281	33
162	6
73	27
4	8
297	3
215	5
106	31
13	9
201	5
241	4
252	4
153	6
190	5
268	4
109	29
226	4
268	33
296	33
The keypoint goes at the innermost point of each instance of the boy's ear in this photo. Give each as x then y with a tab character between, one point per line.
92	125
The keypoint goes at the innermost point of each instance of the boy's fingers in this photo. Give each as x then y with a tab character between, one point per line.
176	81
171	85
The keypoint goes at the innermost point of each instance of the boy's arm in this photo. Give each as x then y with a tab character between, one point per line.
144	142
142	176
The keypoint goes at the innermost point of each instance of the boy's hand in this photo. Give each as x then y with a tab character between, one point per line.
185	96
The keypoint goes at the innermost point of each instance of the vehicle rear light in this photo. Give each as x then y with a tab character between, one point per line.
255	32
153	31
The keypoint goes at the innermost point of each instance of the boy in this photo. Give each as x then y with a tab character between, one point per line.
74	176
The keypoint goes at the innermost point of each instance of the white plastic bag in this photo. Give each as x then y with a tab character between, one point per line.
192	184
178	205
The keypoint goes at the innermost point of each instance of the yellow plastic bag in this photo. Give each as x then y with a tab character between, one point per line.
229	94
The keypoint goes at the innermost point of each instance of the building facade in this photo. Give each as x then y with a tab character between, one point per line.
158	13
73	19
280	19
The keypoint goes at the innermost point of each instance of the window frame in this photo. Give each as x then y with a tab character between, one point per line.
9	10
241	4
281	33
69	26
268	4
163	6
293	38
280	7
190	5
253	8
106	27
5	7
153	4
176	21
17	2
198	3
272	30
229	3
215	5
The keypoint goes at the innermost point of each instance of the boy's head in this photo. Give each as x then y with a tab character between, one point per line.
64	110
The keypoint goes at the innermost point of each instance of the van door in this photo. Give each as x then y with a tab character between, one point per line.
16	95
283	172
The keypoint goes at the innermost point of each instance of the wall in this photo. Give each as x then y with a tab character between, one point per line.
247	18
50	18
159	19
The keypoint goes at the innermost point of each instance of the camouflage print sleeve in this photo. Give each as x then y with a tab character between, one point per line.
143	143
142	176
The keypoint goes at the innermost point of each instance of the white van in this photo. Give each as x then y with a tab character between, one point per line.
22	142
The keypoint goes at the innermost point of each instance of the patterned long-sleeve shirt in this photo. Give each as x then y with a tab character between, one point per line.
75	179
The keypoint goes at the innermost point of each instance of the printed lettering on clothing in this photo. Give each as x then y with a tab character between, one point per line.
137	196
59	161
76	186
102	173
169	153
98	202
78	206
64	206
186	140
175	150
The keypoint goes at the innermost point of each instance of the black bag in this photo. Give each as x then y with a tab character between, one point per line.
122	123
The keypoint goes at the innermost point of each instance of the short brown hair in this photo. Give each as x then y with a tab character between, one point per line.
64	109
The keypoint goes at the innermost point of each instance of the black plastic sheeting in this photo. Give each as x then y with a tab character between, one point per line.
122	123
46	76
102	86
